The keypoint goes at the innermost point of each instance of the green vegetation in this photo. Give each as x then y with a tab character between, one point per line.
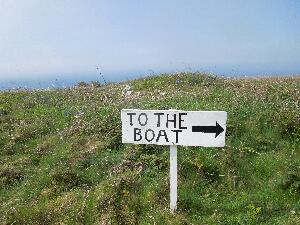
62	160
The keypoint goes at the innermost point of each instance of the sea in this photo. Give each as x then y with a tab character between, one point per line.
61	81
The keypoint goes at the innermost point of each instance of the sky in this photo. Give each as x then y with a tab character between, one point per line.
61	38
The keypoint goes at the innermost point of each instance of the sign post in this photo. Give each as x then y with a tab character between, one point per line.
173	178
174	127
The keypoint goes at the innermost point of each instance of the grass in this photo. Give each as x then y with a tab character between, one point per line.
62	160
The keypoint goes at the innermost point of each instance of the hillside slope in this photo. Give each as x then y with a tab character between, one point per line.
62	160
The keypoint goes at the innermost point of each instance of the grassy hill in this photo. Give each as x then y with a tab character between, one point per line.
62	160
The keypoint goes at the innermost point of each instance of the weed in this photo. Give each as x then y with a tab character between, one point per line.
9	176
67	179
62	160
291	181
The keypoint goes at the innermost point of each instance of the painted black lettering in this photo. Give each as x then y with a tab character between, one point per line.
130	116
171	121
137	132
149	137
145	120
158	118
176	133
181	120
162	133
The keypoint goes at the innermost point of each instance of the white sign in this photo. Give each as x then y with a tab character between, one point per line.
174	127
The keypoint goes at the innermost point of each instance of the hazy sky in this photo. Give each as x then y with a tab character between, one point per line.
44	38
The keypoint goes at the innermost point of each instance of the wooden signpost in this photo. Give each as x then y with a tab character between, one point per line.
174	127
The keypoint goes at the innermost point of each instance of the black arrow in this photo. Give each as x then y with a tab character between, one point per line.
209	129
